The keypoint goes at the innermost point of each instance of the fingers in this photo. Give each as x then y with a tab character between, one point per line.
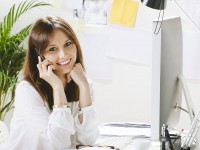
50	68
39	59
71	75
44	67
77	67
38	65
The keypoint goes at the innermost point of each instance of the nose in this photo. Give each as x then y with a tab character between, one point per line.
62	53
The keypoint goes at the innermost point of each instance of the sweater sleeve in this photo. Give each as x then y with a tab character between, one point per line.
87	131
32	126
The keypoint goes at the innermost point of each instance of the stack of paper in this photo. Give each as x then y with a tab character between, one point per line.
126	129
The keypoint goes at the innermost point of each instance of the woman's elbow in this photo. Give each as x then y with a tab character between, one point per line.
65	145
91	139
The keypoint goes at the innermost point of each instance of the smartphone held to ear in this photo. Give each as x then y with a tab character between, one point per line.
38	54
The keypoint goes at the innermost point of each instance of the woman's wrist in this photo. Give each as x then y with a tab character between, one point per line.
84	85
60	103
84	104
59	96
58	87
85	97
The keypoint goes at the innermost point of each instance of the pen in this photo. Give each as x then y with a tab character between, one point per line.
79	146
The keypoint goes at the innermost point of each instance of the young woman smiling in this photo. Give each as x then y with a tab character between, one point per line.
53	103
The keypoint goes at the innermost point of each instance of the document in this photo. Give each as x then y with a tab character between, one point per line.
94	45
134	46
126	129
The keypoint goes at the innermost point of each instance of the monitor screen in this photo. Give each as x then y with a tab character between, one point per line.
166	66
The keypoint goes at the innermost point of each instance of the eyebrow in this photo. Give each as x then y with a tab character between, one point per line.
64	42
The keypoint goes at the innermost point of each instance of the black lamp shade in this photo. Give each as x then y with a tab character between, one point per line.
155	4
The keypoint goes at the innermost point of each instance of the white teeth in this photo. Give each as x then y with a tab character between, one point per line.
63	62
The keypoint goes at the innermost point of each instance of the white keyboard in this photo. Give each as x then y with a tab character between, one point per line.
119	142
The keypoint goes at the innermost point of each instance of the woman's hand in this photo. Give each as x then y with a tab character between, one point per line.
46	72
78	75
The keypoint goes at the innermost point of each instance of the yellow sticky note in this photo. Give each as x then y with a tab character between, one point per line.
123	12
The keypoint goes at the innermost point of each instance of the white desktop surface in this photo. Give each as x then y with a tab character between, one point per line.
135	145
143	144
138	143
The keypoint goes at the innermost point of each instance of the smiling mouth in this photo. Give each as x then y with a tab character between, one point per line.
64	63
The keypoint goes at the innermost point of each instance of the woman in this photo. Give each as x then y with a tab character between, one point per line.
53	106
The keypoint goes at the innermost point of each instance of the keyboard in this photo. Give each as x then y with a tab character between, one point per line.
119	142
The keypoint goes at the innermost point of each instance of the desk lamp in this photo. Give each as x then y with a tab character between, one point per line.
155	4
158	5
161	5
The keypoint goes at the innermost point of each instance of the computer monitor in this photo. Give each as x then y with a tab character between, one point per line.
166	66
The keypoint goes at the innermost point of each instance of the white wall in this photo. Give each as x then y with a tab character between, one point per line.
127	97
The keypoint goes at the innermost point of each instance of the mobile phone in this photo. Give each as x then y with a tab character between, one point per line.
38	54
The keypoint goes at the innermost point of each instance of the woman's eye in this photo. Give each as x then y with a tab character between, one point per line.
52	49
68	43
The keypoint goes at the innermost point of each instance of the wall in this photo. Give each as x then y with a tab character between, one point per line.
126	95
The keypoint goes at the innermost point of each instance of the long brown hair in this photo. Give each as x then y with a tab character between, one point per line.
39	38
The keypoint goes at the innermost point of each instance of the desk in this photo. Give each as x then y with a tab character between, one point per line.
139	146
140	134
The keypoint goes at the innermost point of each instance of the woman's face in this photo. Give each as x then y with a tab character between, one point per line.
61	52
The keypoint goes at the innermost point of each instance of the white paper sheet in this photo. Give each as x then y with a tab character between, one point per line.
131	45
107	130
125	131
94	45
